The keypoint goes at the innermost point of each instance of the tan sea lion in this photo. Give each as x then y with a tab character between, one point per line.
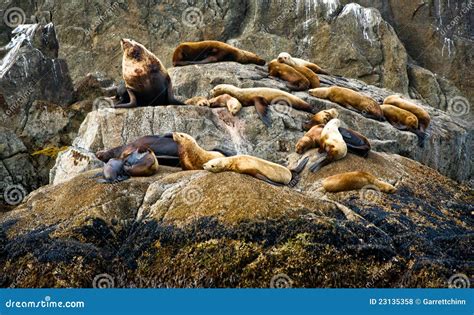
261	98
286	58
267	171
295	80
321	118
332	143
225	100
311	139
399	118
146	79
209	51
197	100
191	155
424	118
355	180
350	99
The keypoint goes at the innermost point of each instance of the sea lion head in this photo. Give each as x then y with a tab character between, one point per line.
132	49
113	169
214	165
234	106
183	138
285	57
104	155
222	89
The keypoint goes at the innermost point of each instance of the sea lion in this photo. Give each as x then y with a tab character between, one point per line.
225	100
355	180
191	155
350	99
267	171
332	143
355	142
399	118
286	58
261	98
146	79
295	80
140	162
209	51
198	101
424	118
164	148
321	118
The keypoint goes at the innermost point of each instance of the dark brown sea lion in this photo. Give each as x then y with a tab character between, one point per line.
295	80
209	51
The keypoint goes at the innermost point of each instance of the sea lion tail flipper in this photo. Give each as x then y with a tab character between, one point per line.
294	180
421	137
268	180
261	105
301	165
318	164
131	104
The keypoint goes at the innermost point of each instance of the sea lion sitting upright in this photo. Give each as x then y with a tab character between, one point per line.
332	143
286	58
164	148
267	171
146	79
191	155
261	98
350	99
355	180
209	51
321	118
295	80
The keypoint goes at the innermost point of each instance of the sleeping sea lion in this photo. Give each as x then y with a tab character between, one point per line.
295	80
209	51
261	98
225	100
286	58
355	180
321	118
146	79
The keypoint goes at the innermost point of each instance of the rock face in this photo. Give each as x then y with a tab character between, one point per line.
447	148
199	229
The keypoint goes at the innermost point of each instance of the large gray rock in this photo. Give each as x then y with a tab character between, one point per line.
447	148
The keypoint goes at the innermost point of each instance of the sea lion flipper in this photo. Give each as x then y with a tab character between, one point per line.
261	105
266	179
131	104
318	164
421	137
301	165
294	179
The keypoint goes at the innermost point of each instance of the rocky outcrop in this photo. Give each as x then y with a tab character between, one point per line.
447	148
199	229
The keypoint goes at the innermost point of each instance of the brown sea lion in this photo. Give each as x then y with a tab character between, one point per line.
146	79
209	51
355	180
321	118
332	143
311	139
198	101
225	100
295	80
191	155
424	118
350	99
286	58
261	98
164	148
399	118
267	171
